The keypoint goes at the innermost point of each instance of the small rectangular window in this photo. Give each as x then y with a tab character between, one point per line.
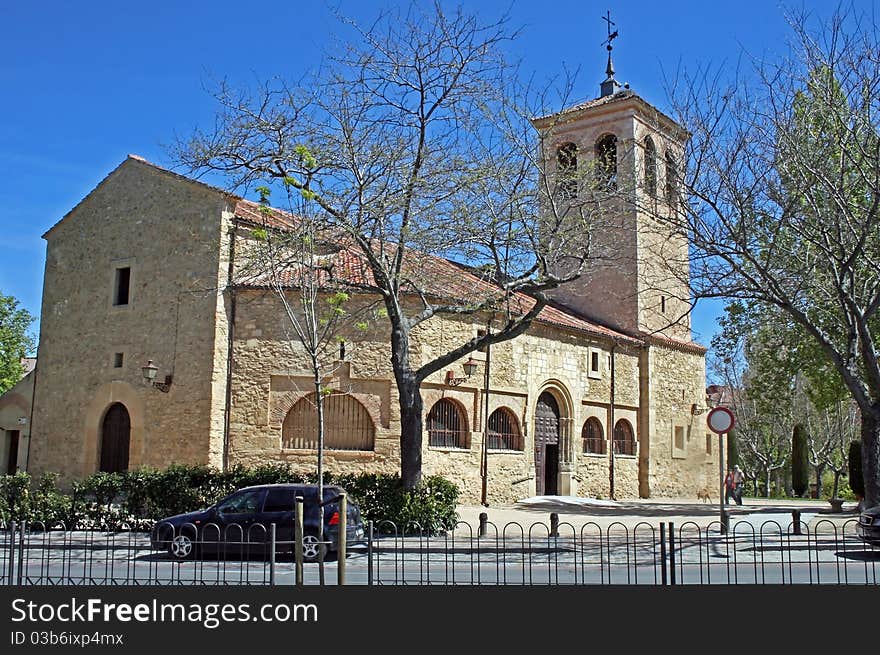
117	360
708	444
679	437
594	363
662	304
121	288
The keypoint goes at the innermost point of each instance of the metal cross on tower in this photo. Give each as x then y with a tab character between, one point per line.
610	85
611	36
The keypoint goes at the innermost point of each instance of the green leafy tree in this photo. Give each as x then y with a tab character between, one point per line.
783	210
15	342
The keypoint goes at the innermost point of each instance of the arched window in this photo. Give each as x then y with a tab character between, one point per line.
347	424
447	426
624	438
593	436
671	180
606	161
566	171
650	167
504	431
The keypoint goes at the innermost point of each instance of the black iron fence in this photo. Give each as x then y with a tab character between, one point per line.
553	553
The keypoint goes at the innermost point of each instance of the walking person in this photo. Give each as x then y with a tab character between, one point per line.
738	482
728	487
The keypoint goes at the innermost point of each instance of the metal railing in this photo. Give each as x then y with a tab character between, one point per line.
553	553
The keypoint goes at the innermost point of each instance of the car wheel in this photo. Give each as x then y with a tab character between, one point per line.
181	547
313	549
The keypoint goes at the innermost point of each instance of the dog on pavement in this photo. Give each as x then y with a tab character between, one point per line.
704	495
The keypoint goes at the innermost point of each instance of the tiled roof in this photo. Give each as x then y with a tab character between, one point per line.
443	280
593	102
437	276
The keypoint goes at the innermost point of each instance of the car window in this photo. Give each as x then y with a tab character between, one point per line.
280	500
243	503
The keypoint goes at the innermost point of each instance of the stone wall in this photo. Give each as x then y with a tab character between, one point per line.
15	415
677	384
271	373
168	231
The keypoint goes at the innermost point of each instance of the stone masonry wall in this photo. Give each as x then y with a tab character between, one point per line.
677	382
168	231
271	373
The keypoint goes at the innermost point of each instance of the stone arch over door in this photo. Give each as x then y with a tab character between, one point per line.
104	397
115	439
551	438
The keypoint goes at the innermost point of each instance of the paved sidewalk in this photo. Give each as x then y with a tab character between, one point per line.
630	513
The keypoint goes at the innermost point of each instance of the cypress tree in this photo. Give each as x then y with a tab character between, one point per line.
800	462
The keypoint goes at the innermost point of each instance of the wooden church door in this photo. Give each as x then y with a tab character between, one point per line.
546	445
115	438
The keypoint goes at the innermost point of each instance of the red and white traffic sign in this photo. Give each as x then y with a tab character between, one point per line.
720	420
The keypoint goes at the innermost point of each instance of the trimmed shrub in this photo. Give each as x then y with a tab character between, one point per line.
137	498
854	462
732	449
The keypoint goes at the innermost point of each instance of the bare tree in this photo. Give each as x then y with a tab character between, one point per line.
831	432
416	144
282	252
783	198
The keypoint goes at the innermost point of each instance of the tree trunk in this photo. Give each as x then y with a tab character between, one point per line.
836	484
410	395
871	455
819	470
410	432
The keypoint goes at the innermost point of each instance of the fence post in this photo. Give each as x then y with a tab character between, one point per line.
298	537
671	553
484	519
369	553
11	552
796	520
272	555
554	524
342	539
21	531
663	554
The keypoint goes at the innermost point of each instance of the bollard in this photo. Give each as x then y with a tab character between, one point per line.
554	525
342	540
298	537
671	553
484	519
796	521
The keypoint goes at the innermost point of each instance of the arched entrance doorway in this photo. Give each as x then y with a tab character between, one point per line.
115	437
547	445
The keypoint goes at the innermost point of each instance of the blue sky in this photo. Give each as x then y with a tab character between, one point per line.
86	83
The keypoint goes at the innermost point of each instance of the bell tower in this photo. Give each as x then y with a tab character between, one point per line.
615	160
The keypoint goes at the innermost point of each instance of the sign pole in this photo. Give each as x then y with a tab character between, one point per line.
720	420
721	476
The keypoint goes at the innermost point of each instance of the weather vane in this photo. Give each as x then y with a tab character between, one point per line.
610	85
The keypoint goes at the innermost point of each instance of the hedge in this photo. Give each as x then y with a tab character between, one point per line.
136	499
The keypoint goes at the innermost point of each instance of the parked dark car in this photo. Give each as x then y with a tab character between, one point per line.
868	527
239	524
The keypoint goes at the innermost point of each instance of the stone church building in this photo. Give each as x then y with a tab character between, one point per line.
603	396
